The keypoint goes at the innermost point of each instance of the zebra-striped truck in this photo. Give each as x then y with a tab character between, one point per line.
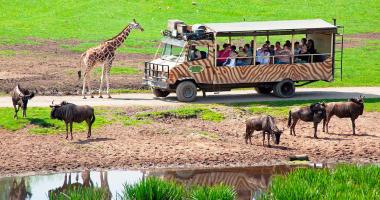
189	57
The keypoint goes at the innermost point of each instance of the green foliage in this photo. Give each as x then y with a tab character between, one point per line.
122	70
343	182
154	188
217	192
81	193
185	113
40	122
281	108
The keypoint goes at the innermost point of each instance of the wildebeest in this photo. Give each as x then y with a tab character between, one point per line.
351	109
70	113
20	98
265	124
315	113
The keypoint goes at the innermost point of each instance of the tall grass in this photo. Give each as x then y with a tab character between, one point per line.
81	193
343	182
217	192
154	189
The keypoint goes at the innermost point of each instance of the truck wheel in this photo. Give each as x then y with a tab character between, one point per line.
160	93
284	89
264	89
186	91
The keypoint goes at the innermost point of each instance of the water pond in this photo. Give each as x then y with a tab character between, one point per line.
248	181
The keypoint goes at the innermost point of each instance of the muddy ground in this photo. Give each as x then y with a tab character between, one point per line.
52	70
170	142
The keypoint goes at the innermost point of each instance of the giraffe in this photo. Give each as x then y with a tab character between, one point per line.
103	54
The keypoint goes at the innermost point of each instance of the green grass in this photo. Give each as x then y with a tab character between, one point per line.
122	91
217	192
343	182
185	113
81	193
281	108
154	188
116	70
40	122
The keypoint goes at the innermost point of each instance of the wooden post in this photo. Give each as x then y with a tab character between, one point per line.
332	46
292	61
229	39
254	50
215	51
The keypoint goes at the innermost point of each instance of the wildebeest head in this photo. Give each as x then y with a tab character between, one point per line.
277	135
318	107
54	110
358	100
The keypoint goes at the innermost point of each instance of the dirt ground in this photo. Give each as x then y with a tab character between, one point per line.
169	143
52	70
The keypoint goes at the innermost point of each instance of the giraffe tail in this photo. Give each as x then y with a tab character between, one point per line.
80	66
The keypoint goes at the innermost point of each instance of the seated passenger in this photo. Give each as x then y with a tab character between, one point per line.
249	51
283	56
297	48
288	44
267	43
240	61
303	58
195	54
311	50
231	60
262	55
223	54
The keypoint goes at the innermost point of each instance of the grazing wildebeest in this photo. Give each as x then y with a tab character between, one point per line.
20	98
70	113
351	109
265	124
315	113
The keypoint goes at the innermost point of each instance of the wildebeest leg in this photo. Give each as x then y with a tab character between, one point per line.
353	125
89	128
268	137
16	111
250	137
315	129
71	130
67	131
263	138
292	127
23	113
327	123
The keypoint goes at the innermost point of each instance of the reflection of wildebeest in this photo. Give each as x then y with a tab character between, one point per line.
18	191
314	113
20	98
265	124
70	113
351	109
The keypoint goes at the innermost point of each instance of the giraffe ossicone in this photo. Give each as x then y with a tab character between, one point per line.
103	54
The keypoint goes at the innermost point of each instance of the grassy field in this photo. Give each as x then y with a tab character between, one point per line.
89	22
343	182
281	108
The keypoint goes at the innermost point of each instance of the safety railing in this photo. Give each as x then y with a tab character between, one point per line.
155	72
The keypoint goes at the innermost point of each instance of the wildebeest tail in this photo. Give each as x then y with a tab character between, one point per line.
93	118
290	118
80	66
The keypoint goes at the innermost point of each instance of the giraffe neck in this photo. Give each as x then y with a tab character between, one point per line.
120	38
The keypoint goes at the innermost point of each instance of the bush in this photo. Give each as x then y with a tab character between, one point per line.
80	193
217	192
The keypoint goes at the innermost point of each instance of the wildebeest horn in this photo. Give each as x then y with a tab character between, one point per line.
134	20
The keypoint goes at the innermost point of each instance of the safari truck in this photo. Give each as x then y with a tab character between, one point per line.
187	59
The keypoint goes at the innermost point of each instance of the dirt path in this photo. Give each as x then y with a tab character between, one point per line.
196	143
223	97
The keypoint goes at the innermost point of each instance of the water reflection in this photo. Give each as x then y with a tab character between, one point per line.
248	182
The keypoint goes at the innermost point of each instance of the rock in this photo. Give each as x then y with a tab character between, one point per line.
299	157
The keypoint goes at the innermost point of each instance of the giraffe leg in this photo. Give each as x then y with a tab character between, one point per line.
108	81
84	86
102	81
89	85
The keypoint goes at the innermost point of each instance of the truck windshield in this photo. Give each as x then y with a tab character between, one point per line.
172	53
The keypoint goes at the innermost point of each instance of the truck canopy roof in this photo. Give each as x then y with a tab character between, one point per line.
270	27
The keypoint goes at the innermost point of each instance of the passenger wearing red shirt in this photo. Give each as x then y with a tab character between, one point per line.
223	54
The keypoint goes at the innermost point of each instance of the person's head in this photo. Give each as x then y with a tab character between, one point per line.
268	43
278	44
271	47
265	47
225	45
241	48
246	46
303	41
233	48
287	42
310	44
193	47
296	44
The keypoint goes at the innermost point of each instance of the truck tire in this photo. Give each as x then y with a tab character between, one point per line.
267	89
160	93
186	91
284	89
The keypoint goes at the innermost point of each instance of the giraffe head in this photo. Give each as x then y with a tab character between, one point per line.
136	25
